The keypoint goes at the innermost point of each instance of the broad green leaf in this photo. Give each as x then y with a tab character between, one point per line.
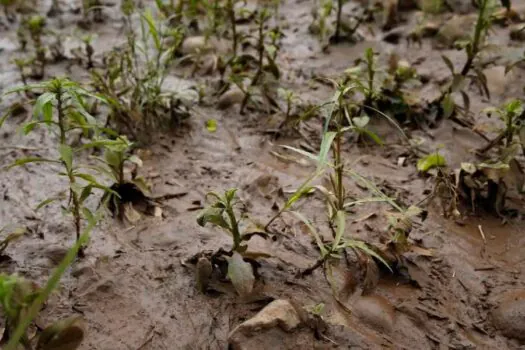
45	99
135	160
213	216
66	154
86	192
431	161
313	231
142	184
28	127
87	177
211	125
448	106
241	274
514	107
230	194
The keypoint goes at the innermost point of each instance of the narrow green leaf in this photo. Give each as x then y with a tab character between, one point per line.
28	127
340	220
66	154
51	285
46	202
362	246
23	161
448	106
326	144
313	231
449	64
152	29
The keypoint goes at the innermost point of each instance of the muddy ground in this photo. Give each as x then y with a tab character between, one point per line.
134	290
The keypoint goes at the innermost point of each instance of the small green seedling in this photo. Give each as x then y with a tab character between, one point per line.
117	153
222	213
473	47
61	108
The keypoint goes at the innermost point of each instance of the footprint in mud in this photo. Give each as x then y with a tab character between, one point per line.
376	312
509	315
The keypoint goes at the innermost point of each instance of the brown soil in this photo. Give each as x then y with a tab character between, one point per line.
134	290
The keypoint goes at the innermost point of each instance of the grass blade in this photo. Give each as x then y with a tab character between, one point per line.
51	285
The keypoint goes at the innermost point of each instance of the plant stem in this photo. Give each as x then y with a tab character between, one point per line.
509	130
51	284
338	23
60	110
231	15
235	227
312	268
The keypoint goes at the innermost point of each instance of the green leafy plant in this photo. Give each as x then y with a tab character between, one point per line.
134	91
473	48
344	30
512	115
335	248
222	212
61	108
22	300
266	58
124	189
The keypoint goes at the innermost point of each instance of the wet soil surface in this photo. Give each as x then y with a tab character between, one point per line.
134	289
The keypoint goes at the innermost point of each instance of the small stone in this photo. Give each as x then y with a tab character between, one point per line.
517	32
497	80
231	97
203	274
195	44
55	253
279	313
455	29
509	315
